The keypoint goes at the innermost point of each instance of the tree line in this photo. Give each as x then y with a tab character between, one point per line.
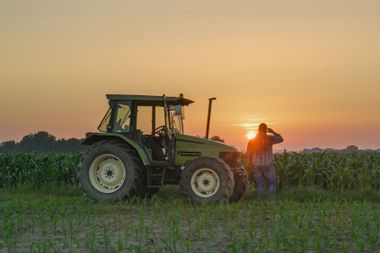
42	142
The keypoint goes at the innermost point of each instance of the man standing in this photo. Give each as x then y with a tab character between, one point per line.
260	154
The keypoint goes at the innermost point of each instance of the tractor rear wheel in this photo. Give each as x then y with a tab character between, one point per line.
207	180
241	184
110	170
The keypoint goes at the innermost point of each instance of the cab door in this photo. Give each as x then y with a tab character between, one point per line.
150	125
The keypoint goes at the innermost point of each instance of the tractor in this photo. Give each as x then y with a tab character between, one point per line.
141	146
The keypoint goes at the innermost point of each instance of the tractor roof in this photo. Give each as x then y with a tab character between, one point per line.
150	100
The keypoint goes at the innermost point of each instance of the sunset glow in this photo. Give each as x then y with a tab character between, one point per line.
292	64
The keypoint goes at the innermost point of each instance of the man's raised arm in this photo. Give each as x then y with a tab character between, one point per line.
276	138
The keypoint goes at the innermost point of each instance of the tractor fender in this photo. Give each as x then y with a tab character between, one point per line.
96	137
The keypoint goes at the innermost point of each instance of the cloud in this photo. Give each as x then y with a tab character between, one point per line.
321	65
249	125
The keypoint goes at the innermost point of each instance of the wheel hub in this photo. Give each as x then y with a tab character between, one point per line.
110	173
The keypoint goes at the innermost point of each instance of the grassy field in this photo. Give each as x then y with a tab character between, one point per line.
60	219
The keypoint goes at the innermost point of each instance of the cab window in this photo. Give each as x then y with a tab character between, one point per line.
144	119
160	116
123	118
104	124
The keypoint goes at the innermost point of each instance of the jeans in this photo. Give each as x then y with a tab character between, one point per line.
263	175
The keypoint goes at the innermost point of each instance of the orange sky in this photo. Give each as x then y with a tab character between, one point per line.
311	69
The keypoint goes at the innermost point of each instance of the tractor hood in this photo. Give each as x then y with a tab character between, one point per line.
207	143
189	148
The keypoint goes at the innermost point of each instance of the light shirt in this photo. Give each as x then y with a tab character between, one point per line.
260	149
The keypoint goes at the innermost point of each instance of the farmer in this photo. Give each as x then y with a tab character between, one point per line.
260	155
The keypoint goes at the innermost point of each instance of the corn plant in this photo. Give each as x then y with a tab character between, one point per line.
331	171
37	169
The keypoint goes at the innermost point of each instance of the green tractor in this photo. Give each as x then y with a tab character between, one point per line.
141	146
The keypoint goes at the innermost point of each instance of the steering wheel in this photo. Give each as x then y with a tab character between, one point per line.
159	130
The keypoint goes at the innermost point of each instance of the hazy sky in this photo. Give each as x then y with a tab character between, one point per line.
311	69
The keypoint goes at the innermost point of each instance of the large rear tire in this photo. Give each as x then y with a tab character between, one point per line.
241	184
207	180
110	170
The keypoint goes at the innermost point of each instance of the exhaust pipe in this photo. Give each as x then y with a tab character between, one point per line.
209	115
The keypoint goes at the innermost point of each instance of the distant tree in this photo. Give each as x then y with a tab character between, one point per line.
312	150
216	138
38	142
8	146
352	148
42	142
70	145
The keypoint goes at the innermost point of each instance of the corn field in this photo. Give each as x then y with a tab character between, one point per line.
37	169
332	171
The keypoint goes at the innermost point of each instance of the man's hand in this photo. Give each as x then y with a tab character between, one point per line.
276	138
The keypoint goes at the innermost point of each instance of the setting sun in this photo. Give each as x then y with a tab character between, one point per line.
251	135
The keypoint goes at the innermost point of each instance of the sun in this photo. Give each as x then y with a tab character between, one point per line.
251	135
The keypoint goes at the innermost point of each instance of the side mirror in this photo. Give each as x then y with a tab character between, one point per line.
178	111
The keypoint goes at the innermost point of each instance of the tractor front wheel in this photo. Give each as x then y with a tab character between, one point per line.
241	184
207	180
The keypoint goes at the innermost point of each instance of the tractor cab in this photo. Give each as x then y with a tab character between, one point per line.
152	121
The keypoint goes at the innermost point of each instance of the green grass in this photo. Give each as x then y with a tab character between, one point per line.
60	219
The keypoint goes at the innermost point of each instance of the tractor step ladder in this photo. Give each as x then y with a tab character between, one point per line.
155	177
